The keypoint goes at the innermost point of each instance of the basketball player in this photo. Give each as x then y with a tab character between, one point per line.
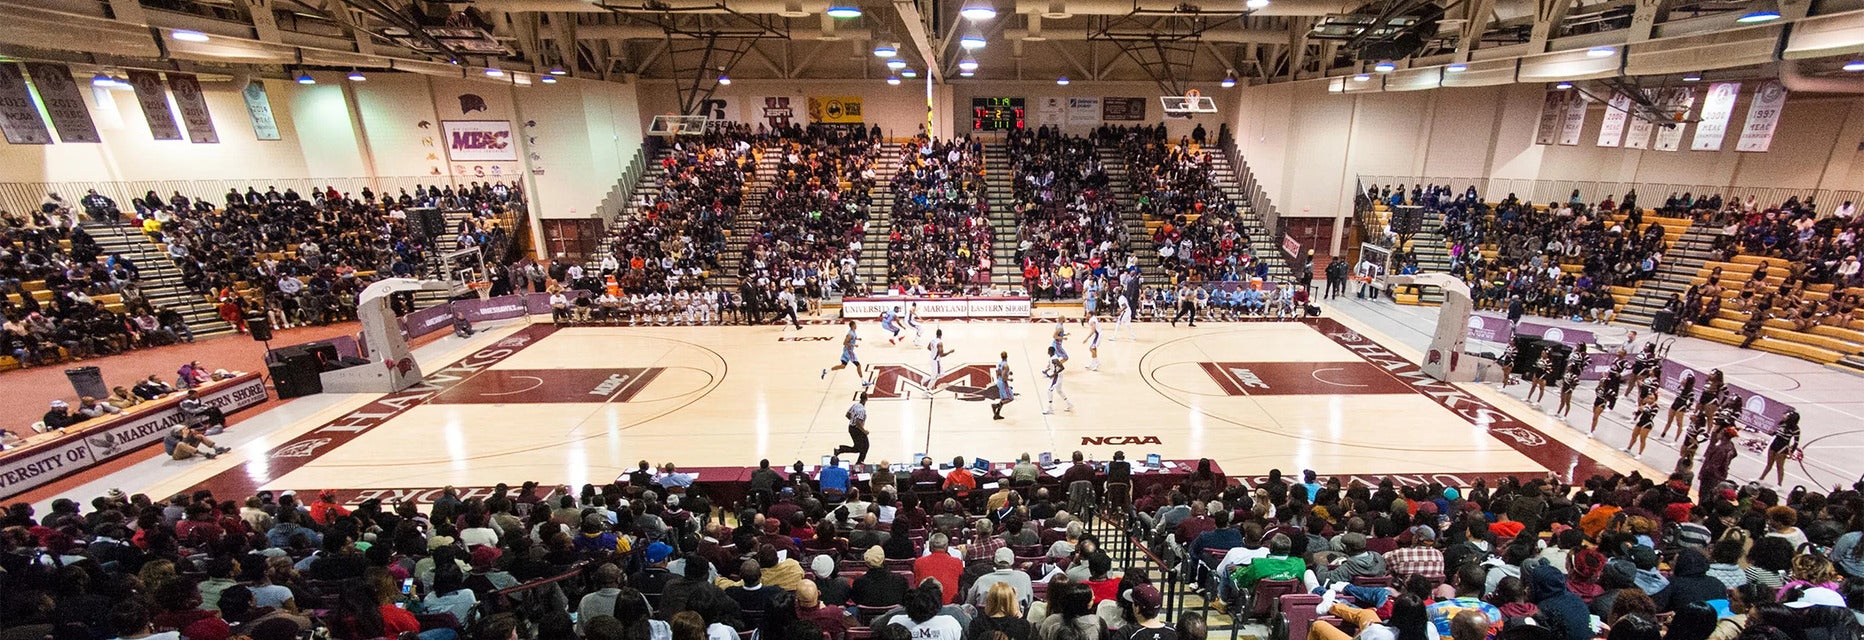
1004	395
1055	342
786	306
1057	363
857	429
847	348
1093	342
888	322
937	347
912	322
1125	318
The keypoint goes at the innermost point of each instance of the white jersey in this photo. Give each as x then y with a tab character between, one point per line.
1126	308
938	364
912	317
1055	368
1093	331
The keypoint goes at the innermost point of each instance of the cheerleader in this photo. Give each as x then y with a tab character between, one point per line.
1606	396
1697	433
1641	421
1785	442
1538	376
1575	367
1685	396
1507	363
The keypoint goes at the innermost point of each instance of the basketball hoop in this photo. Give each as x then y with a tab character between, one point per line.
1192	102
480	289
670	126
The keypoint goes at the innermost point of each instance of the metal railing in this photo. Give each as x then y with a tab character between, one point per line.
1650	194
1109	523
22	197
1258	196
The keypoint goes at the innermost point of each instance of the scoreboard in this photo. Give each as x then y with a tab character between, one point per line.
996	114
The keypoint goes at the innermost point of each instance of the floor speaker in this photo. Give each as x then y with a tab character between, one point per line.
297	375
260	327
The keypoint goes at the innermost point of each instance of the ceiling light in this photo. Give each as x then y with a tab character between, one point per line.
186	35
1563	85
558	71
896	64
1229	80
909	73
1758	17
978	10
1854	65
1692	76
966	73
101	80
494	72
1362	77
1063	81
1456	67
305	78
971	42
1256	4
1385	66
1600	52
724	80
886	51
357	76
844	12
893	80
549	79
967	64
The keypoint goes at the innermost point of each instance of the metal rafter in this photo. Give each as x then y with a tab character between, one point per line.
1165	45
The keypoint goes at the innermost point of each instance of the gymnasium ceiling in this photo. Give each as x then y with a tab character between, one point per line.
1173	43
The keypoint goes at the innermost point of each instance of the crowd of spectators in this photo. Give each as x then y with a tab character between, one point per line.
74	412
940	235
815	213
1069	235
1199	238
1523	274
932	555
1819	250
676	237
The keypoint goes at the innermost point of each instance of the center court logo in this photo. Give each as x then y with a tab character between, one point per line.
971	382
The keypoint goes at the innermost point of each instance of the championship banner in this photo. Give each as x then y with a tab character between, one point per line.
835	110
1717	108
1637	133
479	141
153	98
1084	112
1051	111
1551	108
259	108
19	118
63	102
1617	111
1122	109
1670	137
1763	116
194	115
1575	120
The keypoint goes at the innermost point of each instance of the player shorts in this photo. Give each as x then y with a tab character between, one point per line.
847	356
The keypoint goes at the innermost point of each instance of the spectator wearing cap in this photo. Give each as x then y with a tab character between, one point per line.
1647	577
486	577
597	539
1002	563
1420	558
830	586
1823	614
939	564
652	579
1142	604
879	587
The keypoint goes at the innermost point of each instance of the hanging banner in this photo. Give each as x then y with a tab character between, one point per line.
1670	134
63	102
1763	116
1550	111
1123	109
1616	112
835	110
153	98
259	108
1717	108
1575	120
1084	112
193	106
479	141
18	117
1637	133
1051	111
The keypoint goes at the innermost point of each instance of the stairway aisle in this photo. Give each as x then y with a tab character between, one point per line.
1263	243
744	224
999	194
1143	247
871	266
161	279
1680	264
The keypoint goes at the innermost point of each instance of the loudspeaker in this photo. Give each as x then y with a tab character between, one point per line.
433	222
260	326
296	375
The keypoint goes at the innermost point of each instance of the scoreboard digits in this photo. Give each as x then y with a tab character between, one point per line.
996	114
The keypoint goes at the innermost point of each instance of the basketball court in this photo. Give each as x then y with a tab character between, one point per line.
586	404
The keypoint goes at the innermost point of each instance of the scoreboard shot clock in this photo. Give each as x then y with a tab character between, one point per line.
996	114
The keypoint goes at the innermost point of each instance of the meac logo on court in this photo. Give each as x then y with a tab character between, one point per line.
971	382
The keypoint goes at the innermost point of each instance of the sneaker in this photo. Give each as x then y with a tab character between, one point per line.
222	449
866	383
824	374
209	455
1328	599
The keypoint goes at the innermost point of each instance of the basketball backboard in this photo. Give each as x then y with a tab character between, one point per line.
677	126
1184	105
